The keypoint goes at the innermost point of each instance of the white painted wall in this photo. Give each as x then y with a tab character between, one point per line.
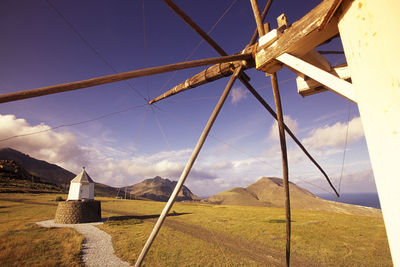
78	191
370	33
74	191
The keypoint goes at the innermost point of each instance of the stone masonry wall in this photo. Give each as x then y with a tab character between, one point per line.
76	211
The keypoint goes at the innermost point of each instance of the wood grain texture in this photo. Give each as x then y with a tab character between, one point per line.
301	37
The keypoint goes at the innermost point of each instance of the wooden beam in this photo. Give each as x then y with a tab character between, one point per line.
188	167
263	15
301	37
210	74
334	83
307	86
119	77
257	17
195	27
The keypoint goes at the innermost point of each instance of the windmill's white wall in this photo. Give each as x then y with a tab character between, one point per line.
84	194
78	191
74	191
369	30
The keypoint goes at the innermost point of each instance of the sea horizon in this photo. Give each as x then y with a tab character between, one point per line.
362	199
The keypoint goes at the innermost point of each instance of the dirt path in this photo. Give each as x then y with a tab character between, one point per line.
97	249
247	249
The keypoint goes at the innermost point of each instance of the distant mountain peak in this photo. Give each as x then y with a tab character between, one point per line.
159	189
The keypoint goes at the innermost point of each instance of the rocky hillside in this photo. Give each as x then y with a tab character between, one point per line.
15	179
46	173
49	173
159	189
268	192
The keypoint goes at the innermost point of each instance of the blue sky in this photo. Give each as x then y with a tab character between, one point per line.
39	48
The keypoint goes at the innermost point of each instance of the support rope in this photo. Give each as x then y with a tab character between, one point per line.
84	40
75	123
345	146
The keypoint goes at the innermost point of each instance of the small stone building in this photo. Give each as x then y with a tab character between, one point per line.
80	206
82	187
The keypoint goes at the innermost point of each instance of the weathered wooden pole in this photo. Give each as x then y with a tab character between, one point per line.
259	22
199	30
285	166
369	31
287	129
118	77
188	167
263	15
194	26
281	124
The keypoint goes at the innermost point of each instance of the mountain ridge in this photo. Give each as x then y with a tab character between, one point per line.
268	192
46	172
160	189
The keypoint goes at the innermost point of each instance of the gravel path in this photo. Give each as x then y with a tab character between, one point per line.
97	248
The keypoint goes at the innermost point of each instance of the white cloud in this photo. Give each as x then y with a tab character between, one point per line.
238	94
334	135
119	167
50	145
291	123
106	165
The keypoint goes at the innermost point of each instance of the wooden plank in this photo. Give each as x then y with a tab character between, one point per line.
334	83
307	86
269	38
301	37
314	58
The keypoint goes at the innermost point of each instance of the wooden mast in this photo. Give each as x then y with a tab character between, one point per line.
118	77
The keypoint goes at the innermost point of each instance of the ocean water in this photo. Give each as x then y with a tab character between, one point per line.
361	199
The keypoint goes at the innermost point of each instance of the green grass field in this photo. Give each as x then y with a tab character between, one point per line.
23	243
194	235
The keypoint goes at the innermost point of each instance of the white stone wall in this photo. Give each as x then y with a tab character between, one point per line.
74	191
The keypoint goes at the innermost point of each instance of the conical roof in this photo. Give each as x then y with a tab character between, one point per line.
82	178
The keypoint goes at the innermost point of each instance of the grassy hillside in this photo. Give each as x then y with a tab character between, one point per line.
268	192
195	235
218	235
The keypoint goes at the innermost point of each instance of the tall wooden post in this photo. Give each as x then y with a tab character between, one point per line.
188	167
369	31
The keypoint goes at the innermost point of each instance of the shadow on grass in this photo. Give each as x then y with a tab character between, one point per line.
279	221
143	217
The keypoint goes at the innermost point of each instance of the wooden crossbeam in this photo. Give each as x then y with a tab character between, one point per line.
307	86
331	81
300	38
